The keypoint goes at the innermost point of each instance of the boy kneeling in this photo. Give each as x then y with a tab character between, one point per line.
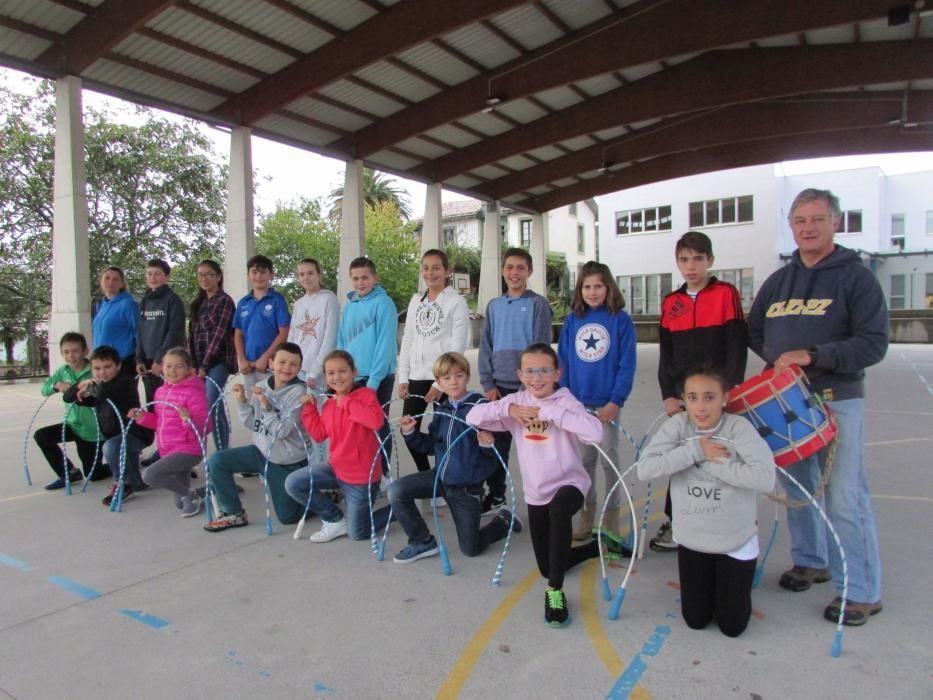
464	466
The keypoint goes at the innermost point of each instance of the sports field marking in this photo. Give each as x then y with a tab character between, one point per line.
462	670
898	442
890	497
25	495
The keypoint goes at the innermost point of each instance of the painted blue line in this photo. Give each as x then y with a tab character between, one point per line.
151	620
632	674
14	563
74	587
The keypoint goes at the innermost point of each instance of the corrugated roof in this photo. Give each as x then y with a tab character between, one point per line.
565	78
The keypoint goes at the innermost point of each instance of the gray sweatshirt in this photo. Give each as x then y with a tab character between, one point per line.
279	428
715	503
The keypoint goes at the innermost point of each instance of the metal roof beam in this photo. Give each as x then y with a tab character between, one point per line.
753	74
97	33
406	24
718	127
889	139
639	34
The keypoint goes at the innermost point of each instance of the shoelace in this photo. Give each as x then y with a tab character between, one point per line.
555	599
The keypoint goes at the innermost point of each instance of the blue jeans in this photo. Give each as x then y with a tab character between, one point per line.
847	502
384	396
465	504
219	373
134	446
221	466
357	497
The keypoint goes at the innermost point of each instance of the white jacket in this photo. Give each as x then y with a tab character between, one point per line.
431	329
314	328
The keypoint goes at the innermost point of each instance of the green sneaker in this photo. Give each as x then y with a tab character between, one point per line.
555	608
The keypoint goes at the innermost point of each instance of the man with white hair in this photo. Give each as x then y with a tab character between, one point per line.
826	313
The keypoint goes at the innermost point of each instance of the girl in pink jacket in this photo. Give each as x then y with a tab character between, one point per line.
179	445
547	425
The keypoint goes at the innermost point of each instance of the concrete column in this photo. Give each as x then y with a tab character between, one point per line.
490	269
240	243
351	226
538	249
431	228
71	275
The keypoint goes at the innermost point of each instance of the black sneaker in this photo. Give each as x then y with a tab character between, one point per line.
128	493
555	608
515	523
74	477
493	502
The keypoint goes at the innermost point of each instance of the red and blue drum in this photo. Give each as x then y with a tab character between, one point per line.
793	421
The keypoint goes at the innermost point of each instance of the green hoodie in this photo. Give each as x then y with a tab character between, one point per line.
81	419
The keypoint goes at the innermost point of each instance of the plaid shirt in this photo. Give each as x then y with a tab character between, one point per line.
210	335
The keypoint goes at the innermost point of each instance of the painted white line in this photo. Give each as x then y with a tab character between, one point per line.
898	442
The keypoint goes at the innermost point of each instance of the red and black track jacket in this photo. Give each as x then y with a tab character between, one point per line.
710	330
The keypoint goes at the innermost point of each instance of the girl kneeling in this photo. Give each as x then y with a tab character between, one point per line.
349	420
718	463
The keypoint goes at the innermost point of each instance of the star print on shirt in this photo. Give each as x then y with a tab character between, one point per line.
591	342
309	327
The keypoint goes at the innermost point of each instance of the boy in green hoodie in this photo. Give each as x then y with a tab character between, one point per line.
80	424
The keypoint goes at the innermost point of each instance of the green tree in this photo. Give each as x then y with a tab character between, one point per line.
378	188
154	190
391	244
297	230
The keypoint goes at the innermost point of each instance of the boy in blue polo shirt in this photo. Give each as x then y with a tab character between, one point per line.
260	323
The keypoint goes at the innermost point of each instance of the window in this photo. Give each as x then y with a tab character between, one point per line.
850	222
713	212
644	293
929	291
525	233
504	228
643	220
450	234
572	209
898	231
581	238
896	300
742	279
930	222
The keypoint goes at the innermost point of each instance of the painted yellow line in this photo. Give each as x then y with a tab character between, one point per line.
25	495
604	649
923	499
461	671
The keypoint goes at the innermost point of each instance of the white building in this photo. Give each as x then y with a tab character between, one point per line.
571	230
887	218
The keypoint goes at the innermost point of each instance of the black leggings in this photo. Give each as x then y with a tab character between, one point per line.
551	532
415	406
715	586
48	439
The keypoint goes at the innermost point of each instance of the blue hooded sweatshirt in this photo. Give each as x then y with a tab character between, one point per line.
368	330
835	308
115	324
469	464
597	356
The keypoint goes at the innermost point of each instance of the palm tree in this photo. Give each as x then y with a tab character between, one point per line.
377	188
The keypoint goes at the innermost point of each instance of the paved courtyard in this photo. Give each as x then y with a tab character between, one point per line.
144	604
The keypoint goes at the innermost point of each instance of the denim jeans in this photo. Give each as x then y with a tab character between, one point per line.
384	396
847	502
134	446
221	466
590	457
465	505
357	498
219	374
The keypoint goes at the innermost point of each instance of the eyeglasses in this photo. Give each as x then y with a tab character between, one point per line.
538	372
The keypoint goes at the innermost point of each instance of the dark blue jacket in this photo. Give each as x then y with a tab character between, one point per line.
468	464
835	308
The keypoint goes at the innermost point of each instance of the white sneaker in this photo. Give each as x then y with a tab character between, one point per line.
330	531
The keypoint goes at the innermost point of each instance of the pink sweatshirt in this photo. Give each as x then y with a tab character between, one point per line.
173	433
548	450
